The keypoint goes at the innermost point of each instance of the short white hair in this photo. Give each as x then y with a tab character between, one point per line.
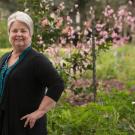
22	17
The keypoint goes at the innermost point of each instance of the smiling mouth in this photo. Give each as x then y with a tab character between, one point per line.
18	39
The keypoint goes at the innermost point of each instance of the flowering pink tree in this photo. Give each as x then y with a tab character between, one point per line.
70	45
53	25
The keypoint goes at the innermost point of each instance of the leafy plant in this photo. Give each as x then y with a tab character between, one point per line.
112	114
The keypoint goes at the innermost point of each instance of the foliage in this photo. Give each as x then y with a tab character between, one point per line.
4	50
48	22
71	62
53	24
54	27
3	35
113	114
117	63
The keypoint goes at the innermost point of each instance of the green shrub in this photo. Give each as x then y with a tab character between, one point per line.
113	114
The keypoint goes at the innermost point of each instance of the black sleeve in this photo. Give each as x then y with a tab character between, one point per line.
49	76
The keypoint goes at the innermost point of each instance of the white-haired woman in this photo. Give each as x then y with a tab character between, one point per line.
29	85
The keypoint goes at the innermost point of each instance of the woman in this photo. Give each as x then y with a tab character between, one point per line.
29	85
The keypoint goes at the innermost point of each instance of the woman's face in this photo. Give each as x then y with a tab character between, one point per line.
19	35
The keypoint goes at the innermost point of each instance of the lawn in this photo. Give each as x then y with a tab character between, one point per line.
118	64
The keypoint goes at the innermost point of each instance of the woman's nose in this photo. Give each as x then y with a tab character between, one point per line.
19	33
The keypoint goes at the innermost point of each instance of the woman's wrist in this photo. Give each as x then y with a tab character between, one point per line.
41	111
46	104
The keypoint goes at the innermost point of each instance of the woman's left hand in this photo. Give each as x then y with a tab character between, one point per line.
32	118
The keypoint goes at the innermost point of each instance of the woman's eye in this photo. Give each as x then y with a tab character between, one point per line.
14	31
23	31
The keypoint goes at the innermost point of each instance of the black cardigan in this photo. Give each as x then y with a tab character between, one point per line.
25	88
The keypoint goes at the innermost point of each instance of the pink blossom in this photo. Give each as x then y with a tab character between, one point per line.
99	27
129	13
114	16
114	34
69	20
45	22
69	30
76	5
130	20
108	6
86	32
62	5
108	11
53	15
40	42
104	34
130	2
122	12
101	41
87	24
121	40
63	41
59	22
118	26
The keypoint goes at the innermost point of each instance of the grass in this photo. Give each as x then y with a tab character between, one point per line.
118	63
